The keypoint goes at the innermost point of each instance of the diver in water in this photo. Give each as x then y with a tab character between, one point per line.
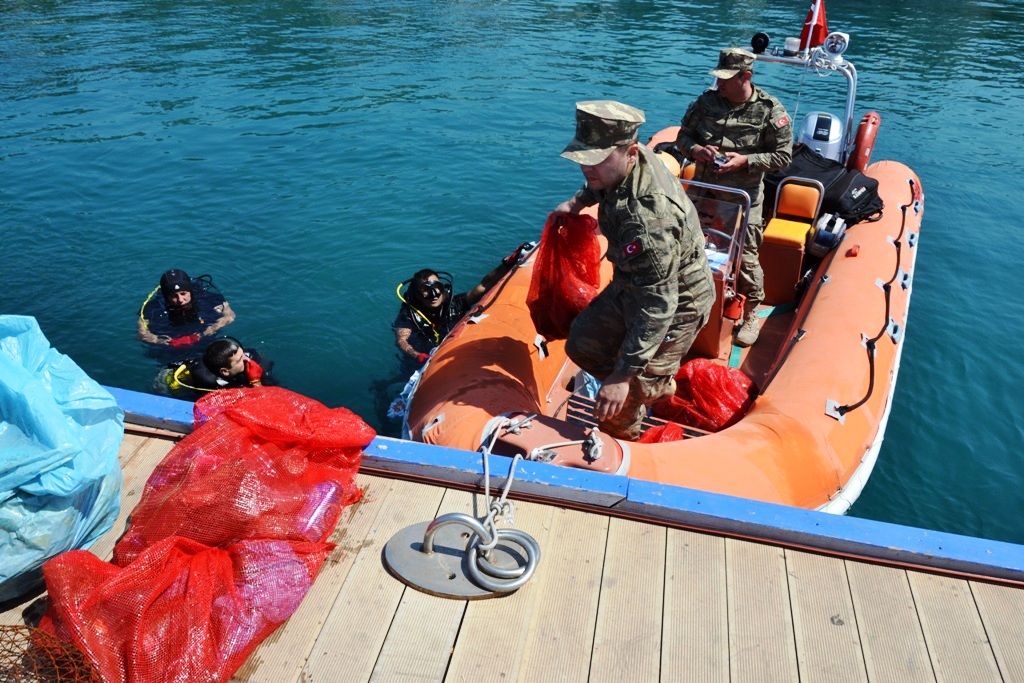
430	310
224	365
186	311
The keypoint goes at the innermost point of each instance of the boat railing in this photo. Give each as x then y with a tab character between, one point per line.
820	60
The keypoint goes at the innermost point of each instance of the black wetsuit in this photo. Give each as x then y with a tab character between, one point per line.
199	380
427	334
202	312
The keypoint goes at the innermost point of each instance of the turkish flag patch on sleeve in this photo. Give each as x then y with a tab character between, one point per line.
633	248
781	121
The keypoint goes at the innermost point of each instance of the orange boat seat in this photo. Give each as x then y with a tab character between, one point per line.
797	204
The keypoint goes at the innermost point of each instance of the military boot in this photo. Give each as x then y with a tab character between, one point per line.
750	329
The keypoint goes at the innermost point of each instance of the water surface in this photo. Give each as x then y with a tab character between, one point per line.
311	155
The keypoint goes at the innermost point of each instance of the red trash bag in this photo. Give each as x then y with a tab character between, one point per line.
708	396
566	273
230	531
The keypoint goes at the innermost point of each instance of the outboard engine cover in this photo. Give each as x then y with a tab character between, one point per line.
823	133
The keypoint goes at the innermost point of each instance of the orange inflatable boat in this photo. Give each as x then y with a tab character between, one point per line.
824	367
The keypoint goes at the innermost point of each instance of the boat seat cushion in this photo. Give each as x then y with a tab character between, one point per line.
798	200
785	232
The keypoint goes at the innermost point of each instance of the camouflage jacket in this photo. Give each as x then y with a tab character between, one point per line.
759	128
657	247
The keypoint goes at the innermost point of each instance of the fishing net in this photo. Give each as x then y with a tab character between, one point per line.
29	655
708	396
231	530
566	273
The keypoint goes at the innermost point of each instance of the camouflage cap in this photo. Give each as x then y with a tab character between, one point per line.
733	60
601	126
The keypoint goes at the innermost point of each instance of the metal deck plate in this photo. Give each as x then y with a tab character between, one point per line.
445	572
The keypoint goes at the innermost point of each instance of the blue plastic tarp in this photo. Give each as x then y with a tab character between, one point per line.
60	433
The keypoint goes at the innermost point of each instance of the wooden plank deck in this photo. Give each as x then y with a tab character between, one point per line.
615	600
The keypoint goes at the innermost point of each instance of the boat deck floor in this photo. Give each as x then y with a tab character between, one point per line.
757	361
615	600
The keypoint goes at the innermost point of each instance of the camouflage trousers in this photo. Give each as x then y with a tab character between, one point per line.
751	278
594	341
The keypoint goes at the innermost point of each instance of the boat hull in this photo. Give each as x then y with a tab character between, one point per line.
810	438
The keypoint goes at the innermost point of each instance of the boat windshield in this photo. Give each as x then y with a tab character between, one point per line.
722	212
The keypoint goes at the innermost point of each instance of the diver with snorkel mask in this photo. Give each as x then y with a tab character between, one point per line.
186	311
430	310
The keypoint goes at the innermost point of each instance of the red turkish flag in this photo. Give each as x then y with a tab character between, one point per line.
814	26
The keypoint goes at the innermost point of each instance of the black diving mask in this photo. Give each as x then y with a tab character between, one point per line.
430	290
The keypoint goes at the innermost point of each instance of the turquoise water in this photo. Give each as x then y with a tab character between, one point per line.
311	155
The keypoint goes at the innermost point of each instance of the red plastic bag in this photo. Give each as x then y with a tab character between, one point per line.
230	531
566	273
669	431
708	396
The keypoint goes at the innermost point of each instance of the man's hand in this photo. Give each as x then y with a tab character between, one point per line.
705	153
734	162
568	206
612	395
253	373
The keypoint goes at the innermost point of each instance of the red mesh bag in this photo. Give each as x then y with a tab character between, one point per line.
566	273
708	396
264	463
231	529
182	611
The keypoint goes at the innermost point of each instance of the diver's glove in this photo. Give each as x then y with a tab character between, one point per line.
422	358
185	340
253	372
514	257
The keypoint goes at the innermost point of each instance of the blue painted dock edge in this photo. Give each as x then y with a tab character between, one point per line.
700	510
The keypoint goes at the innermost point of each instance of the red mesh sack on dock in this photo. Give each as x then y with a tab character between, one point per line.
182	611
708	396
566	273
262	463
231	529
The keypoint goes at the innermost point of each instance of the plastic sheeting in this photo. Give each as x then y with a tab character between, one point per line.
60	433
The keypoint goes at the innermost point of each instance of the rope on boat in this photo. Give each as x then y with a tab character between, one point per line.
889	325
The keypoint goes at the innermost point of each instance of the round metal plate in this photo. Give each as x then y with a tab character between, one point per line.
444	572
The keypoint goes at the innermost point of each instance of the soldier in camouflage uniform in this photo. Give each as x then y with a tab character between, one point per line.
634	334
754	132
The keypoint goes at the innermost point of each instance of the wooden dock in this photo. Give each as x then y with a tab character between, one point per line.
617	600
